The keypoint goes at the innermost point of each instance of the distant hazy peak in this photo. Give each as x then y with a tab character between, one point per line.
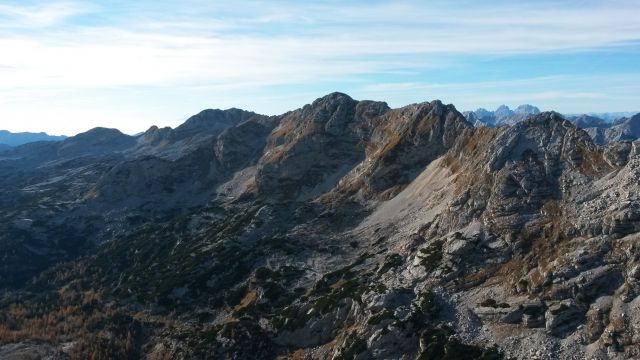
502	116
15	139
527	109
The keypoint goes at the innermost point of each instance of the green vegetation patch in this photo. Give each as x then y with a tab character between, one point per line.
428	305
391	261
431	256
494	304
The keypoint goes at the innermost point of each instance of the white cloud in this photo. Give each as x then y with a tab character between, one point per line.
347	41
242	48
566	93
40	16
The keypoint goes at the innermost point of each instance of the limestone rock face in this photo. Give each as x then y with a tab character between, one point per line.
625	129
313	147
239	146
343	229
408	140
365	147
529	162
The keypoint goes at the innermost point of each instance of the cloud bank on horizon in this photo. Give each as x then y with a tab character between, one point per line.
69	66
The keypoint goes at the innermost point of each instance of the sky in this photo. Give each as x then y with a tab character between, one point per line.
68	66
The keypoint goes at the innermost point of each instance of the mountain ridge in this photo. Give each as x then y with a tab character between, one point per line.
502	116
616	126
343	229
20	138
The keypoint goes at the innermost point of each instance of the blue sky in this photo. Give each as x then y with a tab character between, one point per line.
68	66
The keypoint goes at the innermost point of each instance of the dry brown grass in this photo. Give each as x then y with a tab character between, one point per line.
97	331
248	299
468	159
593	163
547	240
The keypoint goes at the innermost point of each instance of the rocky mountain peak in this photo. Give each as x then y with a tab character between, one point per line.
155	136
211	122
603	132
588	121
315	145
546	117
334	97
340	140
96	141
482	112
503	110
409	139
502	116
99	134
547	135
527	109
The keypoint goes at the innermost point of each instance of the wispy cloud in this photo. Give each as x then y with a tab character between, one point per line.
256	46
570	93
40	15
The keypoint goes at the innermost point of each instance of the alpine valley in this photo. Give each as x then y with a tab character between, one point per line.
341	230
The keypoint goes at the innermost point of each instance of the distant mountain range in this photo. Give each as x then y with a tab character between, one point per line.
606	116
603	128
15	139
501	116
603	132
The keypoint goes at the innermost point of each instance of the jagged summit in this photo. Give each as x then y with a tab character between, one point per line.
587	121
212	121
334	96
527	109
614	128
502	116
607	132
545	117
357	142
